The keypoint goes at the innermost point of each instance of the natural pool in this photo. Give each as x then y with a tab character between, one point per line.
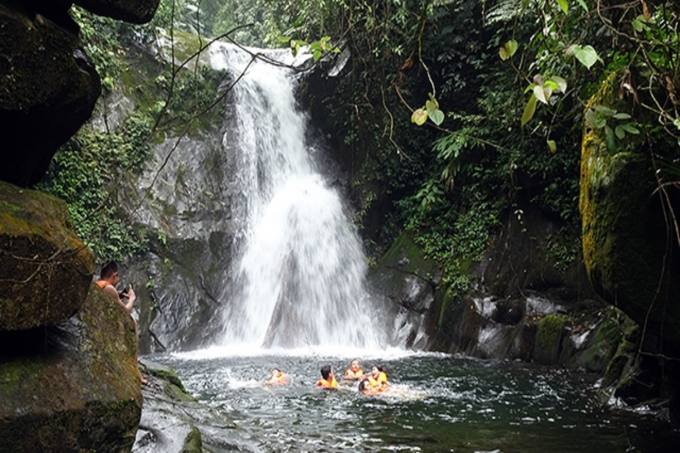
438	403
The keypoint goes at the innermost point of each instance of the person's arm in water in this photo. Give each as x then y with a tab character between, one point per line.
131	297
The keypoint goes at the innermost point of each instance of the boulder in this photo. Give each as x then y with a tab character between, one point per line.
135	11
630	253
174	422
548	343
48	89
74	386
45	270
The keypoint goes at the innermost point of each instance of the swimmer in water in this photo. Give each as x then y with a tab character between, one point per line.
327	381
354	373
377	380
278	377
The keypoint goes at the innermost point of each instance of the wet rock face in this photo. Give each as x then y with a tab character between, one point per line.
72	386
48	89
45	270
631	259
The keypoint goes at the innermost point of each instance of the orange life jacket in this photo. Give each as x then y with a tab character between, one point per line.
383	377
280	378
103	283
349	374
324	384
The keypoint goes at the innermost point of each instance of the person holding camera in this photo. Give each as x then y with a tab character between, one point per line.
108	279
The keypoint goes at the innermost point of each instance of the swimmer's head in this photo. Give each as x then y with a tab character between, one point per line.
326	372
375	372
354	366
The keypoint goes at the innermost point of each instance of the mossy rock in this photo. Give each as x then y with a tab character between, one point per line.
615	328
45	270
48	90
548	342
73	387
624	232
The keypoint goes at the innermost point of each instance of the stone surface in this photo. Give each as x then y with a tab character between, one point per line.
48	88
45	270
630	259
135	11
174	422
74	386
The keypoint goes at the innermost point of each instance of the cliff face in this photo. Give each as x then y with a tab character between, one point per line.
68	365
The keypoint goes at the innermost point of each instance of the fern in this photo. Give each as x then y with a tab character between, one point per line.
505	10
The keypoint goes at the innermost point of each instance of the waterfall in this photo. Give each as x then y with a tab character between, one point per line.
301	272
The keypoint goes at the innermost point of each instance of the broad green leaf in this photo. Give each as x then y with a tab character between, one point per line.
433	100
529	110
437	116
552	146
630	128
606	111
610	139
583	4
419	117
429	105
508	49
620	133
594	121
622	116
561	83
564	5
638	25
539	93
586	55
676	122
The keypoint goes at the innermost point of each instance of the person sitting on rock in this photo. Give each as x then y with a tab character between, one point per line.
354	373
327	381
278	377
108	279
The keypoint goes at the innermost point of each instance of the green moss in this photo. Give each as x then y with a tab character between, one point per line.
550	332
193	443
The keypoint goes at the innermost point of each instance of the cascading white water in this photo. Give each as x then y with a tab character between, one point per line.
301	275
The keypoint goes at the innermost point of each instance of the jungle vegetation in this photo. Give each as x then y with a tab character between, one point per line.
460	111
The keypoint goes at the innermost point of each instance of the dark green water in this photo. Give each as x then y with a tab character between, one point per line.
438	404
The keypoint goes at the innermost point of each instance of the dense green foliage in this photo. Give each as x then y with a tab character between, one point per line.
514	77
89	170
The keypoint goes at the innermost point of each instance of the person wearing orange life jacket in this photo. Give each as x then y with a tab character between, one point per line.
278	377
108	279
377	380
327	381
354	373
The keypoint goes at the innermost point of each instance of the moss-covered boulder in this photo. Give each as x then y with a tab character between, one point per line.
45	270
548	342
135	11
48	88
630	254
74	386
172	420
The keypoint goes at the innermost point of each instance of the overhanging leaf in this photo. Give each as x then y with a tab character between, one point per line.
419	117
583	4
437	116
508	49
561	83
539	93
586	55
630	128
620	133
529	110
552	146
564	5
